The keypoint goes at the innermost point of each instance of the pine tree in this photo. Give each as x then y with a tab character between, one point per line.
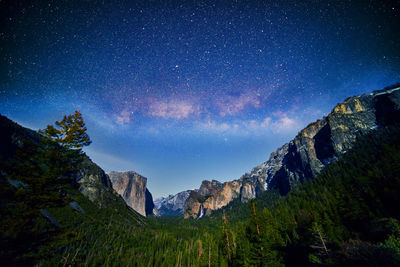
226	241
70	133
64	142
253	233
38	165
318	245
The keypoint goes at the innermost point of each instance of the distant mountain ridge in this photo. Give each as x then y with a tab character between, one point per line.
306	155
172	205
301	159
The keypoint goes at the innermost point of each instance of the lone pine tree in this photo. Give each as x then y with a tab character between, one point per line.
69	133
64	142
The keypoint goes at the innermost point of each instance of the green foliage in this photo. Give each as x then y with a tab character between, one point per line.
346	216
64	142
35	179
70	133
335	219
392	243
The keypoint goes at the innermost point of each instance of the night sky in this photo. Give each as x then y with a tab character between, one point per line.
184	91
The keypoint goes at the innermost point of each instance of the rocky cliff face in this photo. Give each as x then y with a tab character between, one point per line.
92	180
132	187
172	205
212	195
94	183
306	155
329	138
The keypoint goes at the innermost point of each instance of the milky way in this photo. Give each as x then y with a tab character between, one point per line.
183	91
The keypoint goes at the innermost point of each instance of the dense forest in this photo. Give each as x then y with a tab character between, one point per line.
346	216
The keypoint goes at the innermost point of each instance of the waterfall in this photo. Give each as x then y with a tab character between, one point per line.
201	212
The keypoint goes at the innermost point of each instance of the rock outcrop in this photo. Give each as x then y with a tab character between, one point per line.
91	179
172	205
306	155
329	138
132	187
94	183
212	195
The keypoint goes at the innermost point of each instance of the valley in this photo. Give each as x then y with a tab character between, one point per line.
325	198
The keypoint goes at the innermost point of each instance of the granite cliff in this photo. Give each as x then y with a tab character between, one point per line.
132	187
95	184
91	180
306	155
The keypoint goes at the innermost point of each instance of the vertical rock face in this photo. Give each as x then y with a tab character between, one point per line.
215	195
247	192
307	154
150	208
212	195
327	139
219	194
132	187
93	181
193	205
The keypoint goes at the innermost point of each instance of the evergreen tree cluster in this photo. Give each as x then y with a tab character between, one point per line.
346	216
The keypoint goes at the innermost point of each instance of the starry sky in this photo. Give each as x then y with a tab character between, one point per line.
182	91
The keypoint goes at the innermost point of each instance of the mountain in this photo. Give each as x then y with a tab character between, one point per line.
343	217
172	205
346	216
305	156
45	204
132	187
92	180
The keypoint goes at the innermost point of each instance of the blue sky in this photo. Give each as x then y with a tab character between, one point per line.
186	91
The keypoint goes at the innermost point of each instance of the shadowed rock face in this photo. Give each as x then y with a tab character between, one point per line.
150	208
132	187
92	180
94	183
307	154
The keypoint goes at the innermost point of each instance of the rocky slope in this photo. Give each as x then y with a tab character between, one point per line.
172	205
92	180
306	155
95	184
132	187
